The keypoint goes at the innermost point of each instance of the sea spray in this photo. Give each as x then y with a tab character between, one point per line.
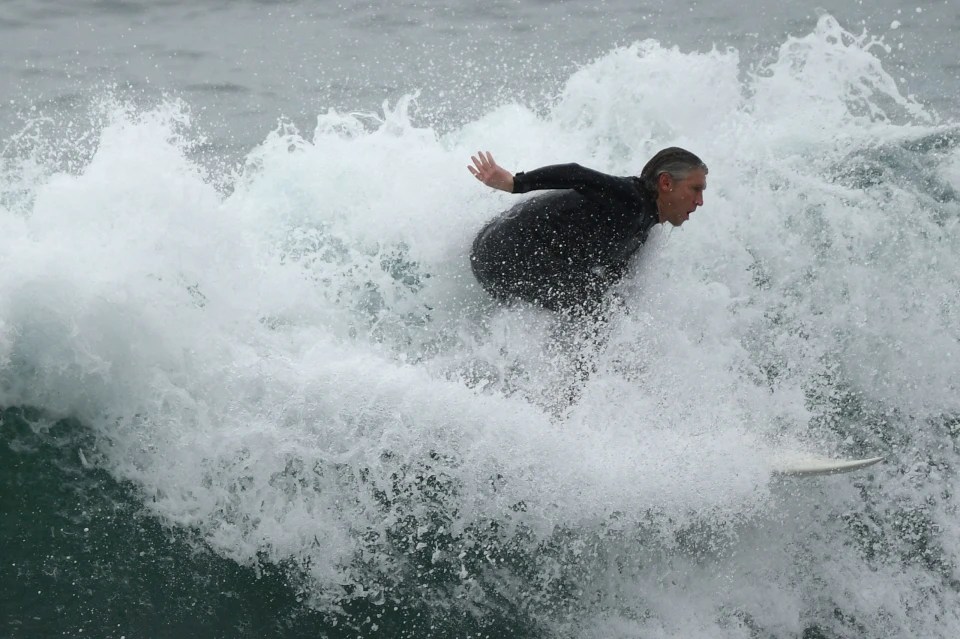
300	371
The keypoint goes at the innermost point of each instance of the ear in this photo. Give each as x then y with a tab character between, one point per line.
664	182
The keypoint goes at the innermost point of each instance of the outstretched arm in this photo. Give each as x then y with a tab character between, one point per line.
490	173
556	176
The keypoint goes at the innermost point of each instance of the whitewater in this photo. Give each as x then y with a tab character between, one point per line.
289	361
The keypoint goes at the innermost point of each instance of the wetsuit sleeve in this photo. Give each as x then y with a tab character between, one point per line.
567	176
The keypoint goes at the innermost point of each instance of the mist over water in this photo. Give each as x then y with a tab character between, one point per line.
289	364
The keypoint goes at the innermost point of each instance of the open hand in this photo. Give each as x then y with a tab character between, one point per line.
490	173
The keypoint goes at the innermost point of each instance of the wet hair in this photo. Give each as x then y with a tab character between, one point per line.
674	161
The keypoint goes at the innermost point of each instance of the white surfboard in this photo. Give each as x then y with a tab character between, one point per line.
794	464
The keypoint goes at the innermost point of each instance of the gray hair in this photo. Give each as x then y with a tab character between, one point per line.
676	162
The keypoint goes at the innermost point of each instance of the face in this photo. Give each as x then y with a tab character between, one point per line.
677	199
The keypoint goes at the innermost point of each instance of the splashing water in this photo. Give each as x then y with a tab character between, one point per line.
301	370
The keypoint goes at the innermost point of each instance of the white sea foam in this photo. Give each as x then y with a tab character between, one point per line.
304	369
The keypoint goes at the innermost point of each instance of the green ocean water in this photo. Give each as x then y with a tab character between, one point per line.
82	558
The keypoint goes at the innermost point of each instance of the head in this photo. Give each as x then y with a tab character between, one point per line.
678	178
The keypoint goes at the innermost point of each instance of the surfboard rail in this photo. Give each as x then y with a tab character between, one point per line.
807	465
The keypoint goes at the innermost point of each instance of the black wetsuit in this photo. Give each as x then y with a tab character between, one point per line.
564	249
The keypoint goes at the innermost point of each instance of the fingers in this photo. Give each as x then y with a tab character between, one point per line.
483	165
476	168
480	161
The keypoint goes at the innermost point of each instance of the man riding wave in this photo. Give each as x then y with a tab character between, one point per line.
564	249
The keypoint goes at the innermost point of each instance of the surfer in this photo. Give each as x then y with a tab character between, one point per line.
562	250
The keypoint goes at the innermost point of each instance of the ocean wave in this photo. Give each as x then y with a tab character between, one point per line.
299	369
